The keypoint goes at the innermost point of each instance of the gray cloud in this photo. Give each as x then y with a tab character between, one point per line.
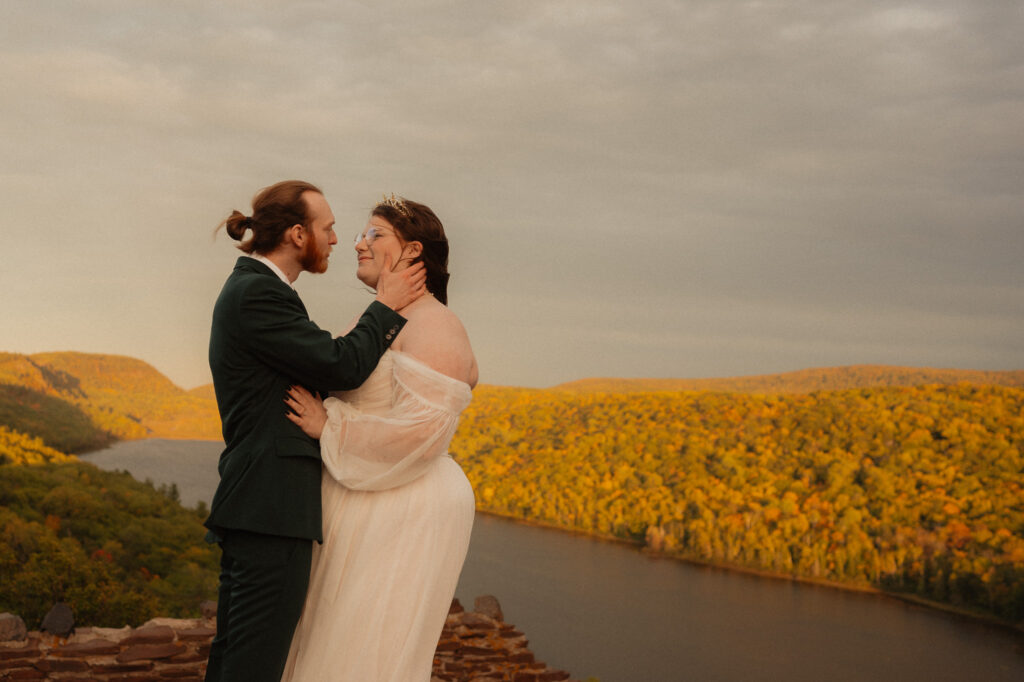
650	188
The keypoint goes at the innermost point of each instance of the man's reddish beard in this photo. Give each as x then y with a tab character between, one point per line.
314	259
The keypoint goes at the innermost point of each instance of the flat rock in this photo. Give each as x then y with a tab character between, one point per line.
478	621
197	633
151	634
174	623
150	652
94	647
109	634
16	650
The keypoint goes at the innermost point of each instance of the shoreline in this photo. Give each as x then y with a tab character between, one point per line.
116	441
947	609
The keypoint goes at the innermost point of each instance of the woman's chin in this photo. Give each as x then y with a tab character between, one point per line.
367	279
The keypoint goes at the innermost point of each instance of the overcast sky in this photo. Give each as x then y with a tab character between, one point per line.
631	188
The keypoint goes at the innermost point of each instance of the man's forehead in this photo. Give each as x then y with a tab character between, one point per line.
318	207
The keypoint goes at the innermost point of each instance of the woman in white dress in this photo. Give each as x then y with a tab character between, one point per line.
397	510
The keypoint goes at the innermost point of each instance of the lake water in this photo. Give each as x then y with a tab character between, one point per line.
606	610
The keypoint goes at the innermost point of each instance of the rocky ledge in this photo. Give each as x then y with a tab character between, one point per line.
475	646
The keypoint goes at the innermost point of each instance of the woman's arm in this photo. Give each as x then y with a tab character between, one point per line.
366	451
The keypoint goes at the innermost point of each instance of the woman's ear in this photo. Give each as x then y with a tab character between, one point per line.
415	250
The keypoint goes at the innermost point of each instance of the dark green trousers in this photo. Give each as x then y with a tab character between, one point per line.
263	582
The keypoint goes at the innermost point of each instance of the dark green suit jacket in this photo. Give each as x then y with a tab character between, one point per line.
261	342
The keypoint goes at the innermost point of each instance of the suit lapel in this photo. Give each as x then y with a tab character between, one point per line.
247	265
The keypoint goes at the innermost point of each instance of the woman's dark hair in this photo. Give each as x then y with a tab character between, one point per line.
415	222
274	210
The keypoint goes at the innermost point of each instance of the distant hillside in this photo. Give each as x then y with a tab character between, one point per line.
77	401
205	392
60	423
805	380
80	401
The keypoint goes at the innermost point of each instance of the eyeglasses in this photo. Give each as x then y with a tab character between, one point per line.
370	235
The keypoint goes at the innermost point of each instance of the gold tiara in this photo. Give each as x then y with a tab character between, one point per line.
397	203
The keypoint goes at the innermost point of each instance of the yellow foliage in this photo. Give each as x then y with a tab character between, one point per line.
17	448
909	488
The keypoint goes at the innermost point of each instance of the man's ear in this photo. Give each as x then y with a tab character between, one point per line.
296	234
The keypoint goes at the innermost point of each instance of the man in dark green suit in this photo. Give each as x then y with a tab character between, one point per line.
266	511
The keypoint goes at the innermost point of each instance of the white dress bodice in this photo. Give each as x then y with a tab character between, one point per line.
391	429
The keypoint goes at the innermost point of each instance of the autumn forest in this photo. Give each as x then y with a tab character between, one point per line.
905	480
917	490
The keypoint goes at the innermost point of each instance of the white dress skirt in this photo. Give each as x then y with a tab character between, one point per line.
397	516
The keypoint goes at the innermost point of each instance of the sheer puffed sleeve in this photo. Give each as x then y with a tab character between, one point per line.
379	451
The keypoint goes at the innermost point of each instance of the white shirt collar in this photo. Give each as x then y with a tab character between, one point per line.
270	264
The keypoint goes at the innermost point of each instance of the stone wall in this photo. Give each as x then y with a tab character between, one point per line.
475	646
